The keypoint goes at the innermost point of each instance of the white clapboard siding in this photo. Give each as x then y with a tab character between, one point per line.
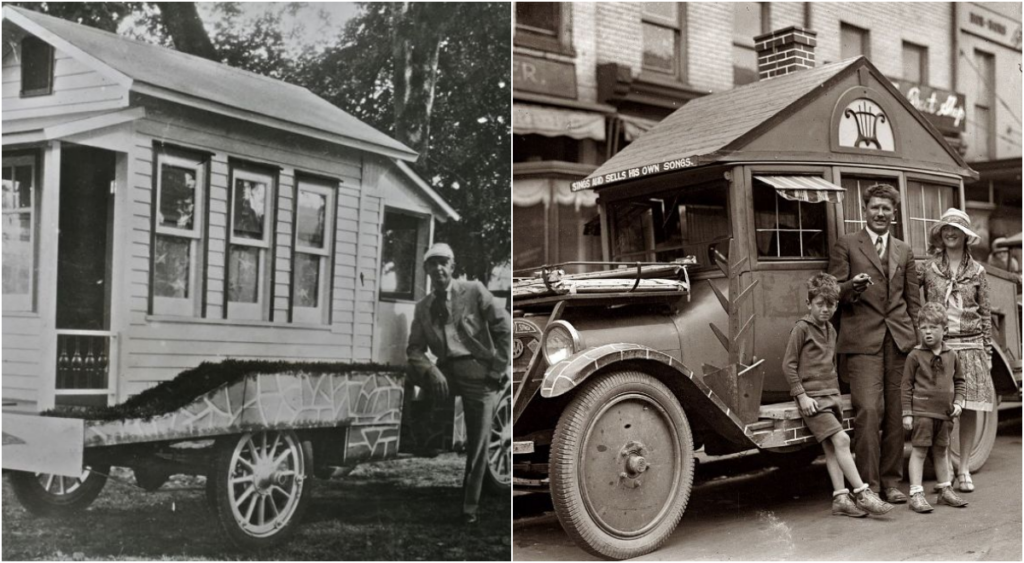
76	88
21	369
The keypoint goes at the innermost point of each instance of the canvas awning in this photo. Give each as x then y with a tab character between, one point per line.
808	189
557	122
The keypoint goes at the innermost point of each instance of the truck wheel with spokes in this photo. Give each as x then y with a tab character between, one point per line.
45	494
259	487
499	447
621	465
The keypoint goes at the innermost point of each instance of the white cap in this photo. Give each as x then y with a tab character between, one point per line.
439	250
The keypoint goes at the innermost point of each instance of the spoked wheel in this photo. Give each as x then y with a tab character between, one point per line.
621	465
45	494
259	487
499	447
984	439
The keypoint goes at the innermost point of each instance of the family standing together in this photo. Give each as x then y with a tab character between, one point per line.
911	367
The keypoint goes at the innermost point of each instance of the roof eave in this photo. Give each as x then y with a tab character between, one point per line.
207	105
433	195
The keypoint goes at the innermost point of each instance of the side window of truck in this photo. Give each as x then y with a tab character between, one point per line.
789	229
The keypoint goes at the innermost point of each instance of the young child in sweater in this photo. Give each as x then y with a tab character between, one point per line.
809	366
932	395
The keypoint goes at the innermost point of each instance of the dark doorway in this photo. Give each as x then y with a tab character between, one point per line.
84	247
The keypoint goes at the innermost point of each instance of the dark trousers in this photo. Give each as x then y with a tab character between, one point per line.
468	379
878	418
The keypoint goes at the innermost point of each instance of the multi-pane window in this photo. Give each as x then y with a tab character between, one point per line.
311	267
750	19
249	245
853	204
405	240
983	125
661	33
36	67
693	221
915	63
925	205
788	229
853	41
543	25
19	232
177	240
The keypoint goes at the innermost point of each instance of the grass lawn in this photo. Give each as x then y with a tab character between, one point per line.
406	509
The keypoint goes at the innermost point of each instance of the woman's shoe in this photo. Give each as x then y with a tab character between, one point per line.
963	483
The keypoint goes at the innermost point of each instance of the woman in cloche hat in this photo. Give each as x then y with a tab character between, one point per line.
952	278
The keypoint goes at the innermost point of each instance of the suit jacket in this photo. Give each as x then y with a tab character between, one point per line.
890	303
484	329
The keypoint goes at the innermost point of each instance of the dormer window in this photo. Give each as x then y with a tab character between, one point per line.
36	67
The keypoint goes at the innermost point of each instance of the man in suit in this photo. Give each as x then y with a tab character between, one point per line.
460	325
878	304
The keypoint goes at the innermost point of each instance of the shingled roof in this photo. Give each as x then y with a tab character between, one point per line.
711	123
187	79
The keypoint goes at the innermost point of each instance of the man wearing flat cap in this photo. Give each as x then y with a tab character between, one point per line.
459	323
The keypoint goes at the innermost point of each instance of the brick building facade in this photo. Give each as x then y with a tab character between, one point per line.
590	77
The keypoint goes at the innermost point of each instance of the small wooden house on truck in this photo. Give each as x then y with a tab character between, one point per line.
161	211
710	225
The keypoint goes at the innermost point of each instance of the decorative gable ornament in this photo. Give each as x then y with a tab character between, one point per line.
864	125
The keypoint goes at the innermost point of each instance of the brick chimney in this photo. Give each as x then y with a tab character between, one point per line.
784	51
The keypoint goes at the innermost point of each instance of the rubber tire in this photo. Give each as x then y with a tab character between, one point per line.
493	483
30	493
566	445
217	494
989	422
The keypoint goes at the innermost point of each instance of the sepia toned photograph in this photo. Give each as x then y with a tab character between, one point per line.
766	281
256	281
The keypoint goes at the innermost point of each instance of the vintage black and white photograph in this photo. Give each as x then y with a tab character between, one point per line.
766	281
256	281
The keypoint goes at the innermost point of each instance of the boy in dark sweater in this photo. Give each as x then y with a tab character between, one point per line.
932	395
809	366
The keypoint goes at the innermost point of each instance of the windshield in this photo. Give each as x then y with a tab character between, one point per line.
688	221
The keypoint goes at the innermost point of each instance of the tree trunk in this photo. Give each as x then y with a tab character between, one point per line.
181	19
416	45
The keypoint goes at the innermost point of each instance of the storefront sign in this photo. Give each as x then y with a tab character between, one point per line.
944	109
634	173
543	76
990	25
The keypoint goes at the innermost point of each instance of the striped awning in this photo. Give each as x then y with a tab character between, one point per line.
808	189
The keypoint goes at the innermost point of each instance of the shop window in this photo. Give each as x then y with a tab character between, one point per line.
750	19
853	41
249	246
789	229
853	205
544	26
177	240
20	206
405	240
915	63
692	221
662	38
36	67
925	205
311	269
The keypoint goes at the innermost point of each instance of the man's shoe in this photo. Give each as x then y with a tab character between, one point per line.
895	496
843	505
868	501
919	504
948	496
470	519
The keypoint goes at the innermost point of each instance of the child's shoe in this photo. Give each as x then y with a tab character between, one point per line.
843	505
919	504
948	496
868	501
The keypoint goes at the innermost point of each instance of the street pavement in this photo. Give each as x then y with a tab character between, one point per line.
742	510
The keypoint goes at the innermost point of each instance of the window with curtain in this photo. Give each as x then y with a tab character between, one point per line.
249	246
788	229
853	206
20	218
925	205
405	238
311	266
177	240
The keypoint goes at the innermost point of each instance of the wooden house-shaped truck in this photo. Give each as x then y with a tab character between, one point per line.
161	210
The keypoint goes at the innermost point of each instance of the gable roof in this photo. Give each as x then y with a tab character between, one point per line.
728	120
168	74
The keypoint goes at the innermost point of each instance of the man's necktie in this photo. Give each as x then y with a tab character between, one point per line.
439	308
879	247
